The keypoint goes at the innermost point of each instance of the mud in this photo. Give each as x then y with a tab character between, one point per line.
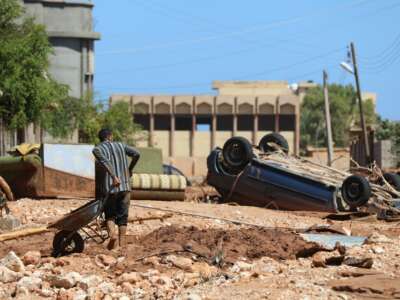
249	243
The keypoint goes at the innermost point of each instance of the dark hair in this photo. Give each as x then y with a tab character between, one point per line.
104	134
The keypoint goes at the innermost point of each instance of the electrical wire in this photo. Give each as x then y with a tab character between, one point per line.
253	29
243	77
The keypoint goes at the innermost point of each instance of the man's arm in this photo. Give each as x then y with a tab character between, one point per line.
134	154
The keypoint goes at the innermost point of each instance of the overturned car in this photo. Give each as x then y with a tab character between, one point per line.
267	176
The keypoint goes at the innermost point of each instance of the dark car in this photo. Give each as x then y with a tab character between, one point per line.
250	175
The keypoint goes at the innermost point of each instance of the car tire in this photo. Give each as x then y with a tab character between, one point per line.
237	153
274	138
393	179
356	191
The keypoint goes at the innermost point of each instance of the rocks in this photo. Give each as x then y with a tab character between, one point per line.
132	277
90	281
377	250
68	281
31	283
7	275
106	288
193	296
31	258
64	294
179	262
13	262
9	222
204	270
318	260
127	288
161	281
105	260
241	266
376	238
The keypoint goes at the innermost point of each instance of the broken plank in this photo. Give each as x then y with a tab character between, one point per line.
141	219
22	233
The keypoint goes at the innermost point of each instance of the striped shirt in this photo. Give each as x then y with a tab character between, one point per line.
112	161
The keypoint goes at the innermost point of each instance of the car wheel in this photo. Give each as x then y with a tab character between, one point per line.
237	153
393	179
356	191
275	138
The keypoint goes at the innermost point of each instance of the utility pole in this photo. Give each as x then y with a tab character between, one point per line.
360	103
328	120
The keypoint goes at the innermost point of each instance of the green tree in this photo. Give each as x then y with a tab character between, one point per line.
119	119
344	114
27	89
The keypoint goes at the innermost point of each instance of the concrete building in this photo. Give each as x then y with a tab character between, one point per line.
187	127
69	25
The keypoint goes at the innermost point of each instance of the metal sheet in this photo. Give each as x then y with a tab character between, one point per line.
329	240
73	159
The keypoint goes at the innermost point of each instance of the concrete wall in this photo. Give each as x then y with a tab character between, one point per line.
70	29
341	157
384	156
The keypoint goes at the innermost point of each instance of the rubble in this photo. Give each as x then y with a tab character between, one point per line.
7	275
257	261
30	283
9	222
179	262
106	260
64	281
31	258
370	286
13	262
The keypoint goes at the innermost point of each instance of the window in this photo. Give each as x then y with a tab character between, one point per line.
162	122
203	123
266	123
225	123
245	122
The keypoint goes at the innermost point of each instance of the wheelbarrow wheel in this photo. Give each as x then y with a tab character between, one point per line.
67	242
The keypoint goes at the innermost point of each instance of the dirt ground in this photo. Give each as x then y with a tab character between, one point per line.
187	257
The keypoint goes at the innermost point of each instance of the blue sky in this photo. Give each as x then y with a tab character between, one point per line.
180	47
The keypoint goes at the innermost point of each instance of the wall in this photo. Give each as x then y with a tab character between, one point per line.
341	157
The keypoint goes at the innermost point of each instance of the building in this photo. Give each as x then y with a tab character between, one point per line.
69	25
187	127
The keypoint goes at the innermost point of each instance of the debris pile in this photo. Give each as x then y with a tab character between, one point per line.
196	258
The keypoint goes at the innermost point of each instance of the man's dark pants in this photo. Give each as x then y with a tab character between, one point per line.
117	208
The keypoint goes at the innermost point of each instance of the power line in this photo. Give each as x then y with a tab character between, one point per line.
243	77
269	26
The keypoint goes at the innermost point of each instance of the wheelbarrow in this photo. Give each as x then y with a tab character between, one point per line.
80	225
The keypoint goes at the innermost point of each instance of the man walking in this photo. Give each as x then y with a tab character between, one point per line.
113	177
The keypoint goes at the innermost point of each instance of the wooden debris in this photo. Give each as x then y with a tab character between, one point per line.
142	219
22	233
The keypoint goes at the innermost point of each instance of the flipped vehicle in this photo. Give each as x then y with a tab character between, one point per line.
267	176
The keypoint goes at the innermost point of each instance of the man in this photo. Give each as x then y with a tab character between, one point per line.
113	177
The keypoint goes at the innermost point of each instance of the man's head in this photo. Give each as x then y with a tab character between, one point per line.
105	135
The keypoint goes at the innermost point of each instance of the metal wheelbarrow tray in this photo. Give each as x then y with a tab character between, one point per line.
86	219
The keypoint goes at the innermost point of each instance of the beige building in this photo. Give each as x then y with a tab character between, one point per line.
188	127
